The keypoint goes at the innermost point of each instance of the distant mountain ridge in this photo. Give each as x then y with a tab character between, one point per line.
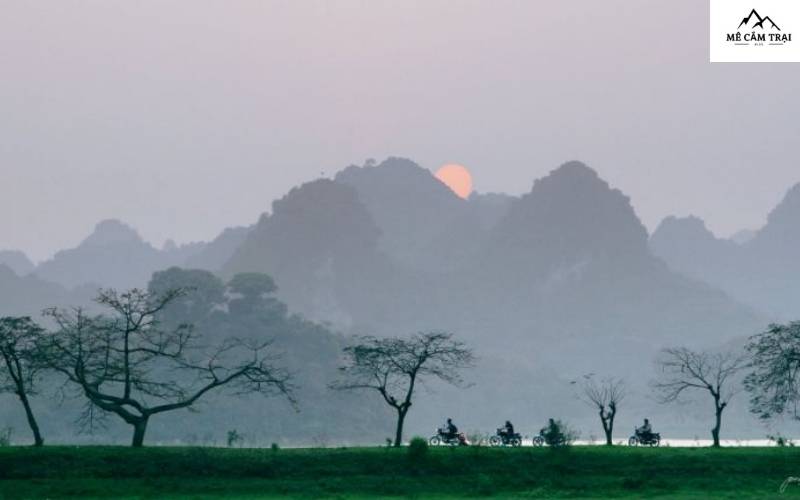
17	261
115	255
213	255
760	272
29	295
561	278
388	246
423	224
404	198
557	281
553	218
112	255
570	256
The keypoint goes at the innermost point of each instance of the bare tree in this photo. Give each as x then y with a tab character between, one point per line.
19	340
605	396
684	370
126	364
774	382
393	367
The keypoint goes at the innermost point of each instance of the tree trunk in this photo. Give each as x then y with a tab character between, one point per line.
608	426
717	425
37	435
398	436
139	428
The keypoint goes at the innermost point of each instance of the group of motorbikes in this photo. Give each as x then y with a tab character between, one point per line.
506	436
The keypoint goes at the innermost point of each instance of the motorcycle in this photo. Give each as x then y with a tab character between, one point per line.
541	440
443	437
640	438
504	439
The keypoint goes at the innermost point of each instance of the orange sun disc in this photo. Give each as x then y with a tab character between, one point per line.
457	178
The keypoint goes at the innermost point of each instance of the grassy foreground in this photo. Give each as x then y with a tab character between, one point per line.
587	472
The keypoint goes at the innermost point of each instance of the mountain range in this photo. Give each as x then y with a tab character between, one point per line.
760	270
558	282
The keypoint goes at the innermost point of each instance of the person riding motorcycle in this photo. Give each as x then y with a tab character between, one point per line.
644	436
645	430
551	425
507	431
552	433
452	430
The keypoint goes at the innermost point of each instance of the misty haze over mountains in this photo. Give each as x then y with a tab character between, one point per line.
760	270
561	281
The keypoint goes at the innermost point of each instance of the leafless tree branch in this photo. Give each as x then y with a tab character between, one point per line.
683	370
126	364
394	366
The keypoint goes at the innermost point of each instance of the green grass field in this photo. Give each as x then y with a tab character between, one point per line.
582	472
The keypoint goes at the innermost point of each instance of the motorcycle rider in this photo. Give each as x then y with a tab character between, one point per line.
552	433
507	431
452	430
551	425
645	430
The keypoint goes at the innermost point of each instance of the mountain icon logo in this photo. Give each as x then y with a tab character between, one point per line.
760	21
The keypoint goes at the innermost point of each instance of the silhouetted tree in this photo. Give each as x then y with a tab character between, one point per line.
19	348
252	286
773	383
684	369
253	293
393	366
605	396
205	293
246	304
128	365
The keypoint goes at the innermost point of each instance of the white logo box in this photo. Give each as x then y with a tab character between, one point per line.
771	34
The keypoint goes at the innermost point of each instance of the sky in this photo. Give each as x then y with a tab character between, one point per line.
183	117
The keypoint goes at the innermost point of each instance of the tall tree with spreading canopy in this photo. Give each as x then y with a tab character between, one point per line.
683	370
774	382
605	396
19	352
126	364
394	366
205	296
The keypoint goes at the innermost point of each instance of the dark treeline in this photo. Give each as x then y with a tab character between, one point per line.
143	353
150	353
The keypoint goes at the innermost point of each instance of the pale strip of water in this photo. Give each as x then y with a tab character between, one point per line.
687	443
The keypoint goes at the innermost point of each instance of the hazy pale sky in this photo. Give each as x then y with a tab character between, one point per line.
184	117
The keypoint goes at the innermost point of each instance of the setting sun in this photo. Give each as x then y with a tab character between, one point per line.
457	178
